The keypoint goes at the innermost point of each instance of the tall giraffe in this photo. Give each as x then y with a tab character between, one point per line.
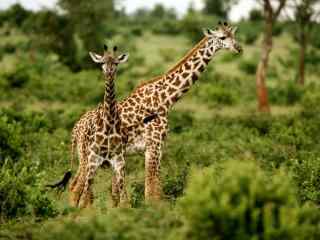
99	138
156	97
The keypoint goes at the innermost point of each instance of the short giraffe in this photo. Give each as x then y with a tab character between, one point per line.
99	138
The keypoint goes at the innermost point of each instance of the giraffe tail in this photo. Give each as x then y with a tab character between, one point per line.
73	148
62	184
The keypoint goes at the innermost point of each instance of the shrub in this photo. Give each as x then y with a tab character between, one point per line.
216	94
239	201
180	121
10	139
248	66
287	93
249	31
122	224
174	183
20	192
193	22
306	174
310	103
18	78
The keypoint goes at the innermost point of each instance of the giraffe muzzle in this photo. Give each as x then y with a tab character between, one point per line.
238	48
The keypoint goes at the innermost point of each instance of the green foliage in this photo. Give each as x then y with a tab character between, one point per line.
11	144
248	66
314	36
15	15
287	93
19	78
307	177
310	102
250	31
122	224
218	8
192	24
20	192
255	15
239	201
166	26
180	121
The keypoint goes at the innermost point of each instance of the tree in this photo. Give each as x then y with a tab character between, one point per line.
305	12
159	11
88	20
219	8
271	14
15	15
255	15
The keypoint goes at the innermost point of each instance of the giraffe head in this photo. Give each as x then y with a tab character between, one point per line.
224	36
109	60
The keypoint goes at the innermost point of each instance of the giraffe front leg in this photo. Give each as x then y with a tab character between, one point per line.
152	173
155	135
119	192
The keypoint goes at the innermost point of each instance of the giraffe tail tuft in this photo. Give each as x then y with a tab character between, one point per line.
62	184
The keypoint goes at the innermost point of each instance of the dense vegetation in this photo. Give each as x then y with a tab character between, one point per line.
228	172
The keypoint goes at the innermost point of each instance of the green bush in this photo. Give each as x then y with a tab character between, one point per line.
287	93
193	23
180	121
11	143
310	102
20	192
122	224
248	66
307	177
249	31
239	201
166	26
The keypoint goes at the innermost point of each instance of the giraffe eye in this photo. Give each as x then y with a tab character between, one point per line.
223	38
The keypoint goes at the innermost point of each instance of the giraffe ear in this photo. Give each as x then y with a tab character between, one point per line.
123	58
234	30
96	57
208	32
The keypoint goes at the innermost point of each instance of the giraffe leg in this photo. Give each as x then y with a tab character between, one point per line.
155	134
119	193
152	173
75	180
87	194
115	191
77	183
76	189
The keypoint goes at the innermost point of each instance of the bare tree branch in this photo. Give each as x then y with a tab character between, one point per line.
280	7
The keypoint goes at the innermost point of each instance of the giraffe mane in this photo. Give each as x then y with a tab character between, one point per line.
188	55
176	66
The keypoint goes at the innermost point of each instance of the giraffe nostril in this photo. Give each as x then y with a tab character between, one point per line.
238	48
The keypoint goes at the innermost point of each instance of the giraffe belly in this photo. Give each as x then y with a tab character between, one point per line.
136	144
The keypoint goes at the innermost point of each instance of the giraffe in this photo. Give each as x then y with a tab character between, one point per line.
144	113
99	138
156	98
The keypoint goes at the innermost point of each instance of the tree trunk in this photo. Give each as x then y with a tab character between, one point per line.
262	91
302	53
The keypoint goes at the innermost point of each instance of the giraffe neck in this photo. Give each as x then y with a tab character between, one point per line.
181	77
109	101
